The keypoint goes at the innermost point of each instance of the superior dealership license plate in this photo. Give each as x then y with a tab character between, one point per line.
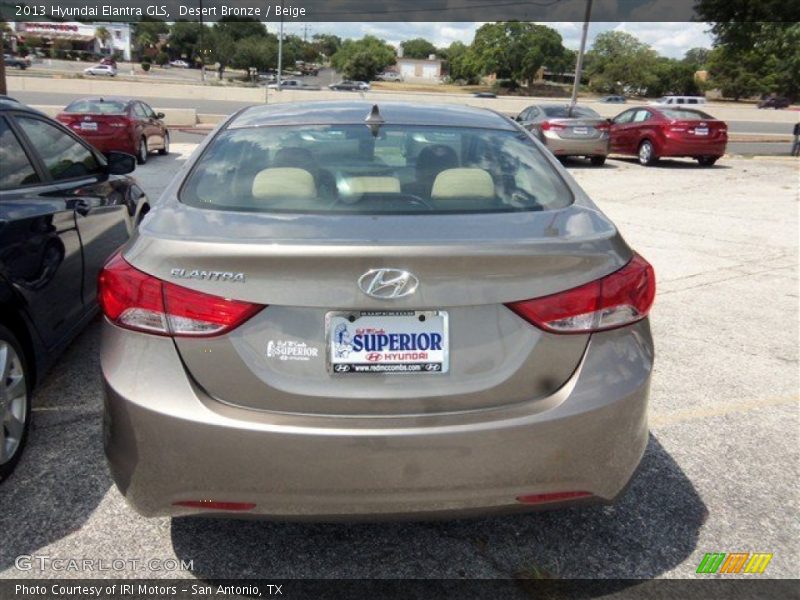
580	130
89	126
391	342
701	130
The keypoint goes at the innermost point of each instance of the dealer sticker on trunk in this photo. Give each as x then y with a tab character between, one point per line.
390	342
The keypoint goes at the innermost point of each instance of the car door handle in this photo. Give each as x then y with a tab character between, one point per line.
83	207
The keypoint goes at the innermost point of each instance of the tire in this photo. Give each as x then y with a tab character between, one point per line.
142	152
598	161
165	150
647	153
707	161
15	402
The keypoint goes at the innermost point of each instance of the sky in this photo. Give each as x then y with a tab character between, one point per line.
667	38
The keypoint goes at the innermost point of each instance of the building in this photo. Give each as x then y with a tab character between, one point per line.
83	36
427	70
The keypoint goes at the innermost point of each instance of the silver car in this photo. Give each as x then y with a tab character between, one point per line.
579	131
339	310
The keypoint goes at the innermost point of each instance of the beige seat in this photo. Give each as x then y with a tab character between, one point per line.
463	183
283	182
358	186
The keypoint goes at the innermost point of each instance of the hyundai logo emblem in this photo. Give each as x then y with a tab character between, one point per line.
388	284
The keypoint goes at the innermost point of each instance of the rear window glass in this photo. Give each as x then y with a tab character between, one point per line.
684	115
345	169
97	107
562	112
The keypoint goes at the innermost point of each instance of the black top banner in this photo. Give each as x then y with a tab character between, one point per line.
385	10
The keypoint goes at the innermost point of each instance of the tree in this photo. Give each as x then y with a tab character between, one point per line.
221	48
147	31
755	46
418	48
619	63
256	52
697	58
327	44
103	35
671	76
239	28
459	64
184	39
363	59
514	50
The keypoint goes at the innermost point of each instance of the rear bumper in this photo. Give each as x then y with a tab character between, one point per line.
167	441
677	147
111	143
576	147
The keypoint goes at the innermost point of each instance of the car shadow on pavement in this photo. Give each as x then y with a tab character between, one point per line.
652	529
62	477
579	163
672	163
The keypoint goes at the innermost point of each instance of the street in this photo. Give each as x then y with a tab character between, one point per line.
719	475
217	107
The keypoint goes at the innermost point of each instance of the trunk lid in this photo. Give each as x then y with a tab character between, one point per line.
307	270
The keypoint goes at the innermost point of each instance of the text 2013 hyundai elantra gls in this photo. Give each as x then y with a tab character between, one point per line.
339	310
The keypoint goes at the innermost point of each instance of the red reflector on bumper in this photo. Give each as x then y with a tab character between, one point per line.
552	497
212	505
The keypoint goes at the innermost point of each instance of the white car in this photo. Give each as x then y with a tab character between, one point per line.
390	76
181	64
678	101
106	70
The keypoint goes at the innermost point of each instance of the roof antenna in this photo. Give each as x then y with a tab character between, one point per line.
374	120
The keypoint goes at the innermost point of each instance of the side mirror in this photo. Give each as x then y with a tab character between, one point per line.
120	163
160	115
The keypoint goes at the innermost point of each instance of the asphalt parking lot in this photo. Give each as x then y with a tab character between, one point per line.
720	473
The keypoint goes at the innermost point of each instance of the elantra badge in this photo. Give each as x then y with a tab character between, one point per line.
388	284
207	275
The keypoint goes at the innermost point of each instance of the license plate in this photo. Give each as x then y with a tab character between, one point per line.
390	342
91	126
701	131
581	130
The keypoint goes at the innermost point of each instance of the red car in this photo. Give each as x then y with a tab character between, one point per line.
118	124
652	132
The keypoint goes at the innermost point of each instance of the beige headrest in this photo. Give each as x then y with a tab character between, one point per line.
463	183
356	186
284	182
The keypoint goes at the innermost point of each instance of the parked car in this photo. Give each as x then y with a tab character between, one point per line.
16	62
775	102
118	124
678	101
655	132
64	209
613	99
293	84
180	64
350	86
320	319
390	76
485	95
580	131
101	70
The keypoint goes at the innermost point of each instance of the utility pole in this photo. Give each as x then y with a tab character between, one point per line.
3	88
280	54
202	48
579	66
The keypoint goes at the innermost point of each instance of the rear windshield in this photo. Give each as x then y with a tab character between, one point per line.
345	169
562	112
97	107
678	114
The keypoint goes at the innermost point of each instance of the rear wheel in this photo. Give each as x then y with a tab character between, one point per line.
165	150
707	161
598	161
142	153
15	402
647	153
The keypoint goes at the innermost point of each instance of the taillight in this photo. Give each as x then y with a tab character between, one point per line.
135	300
602	126
548	125
619	299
